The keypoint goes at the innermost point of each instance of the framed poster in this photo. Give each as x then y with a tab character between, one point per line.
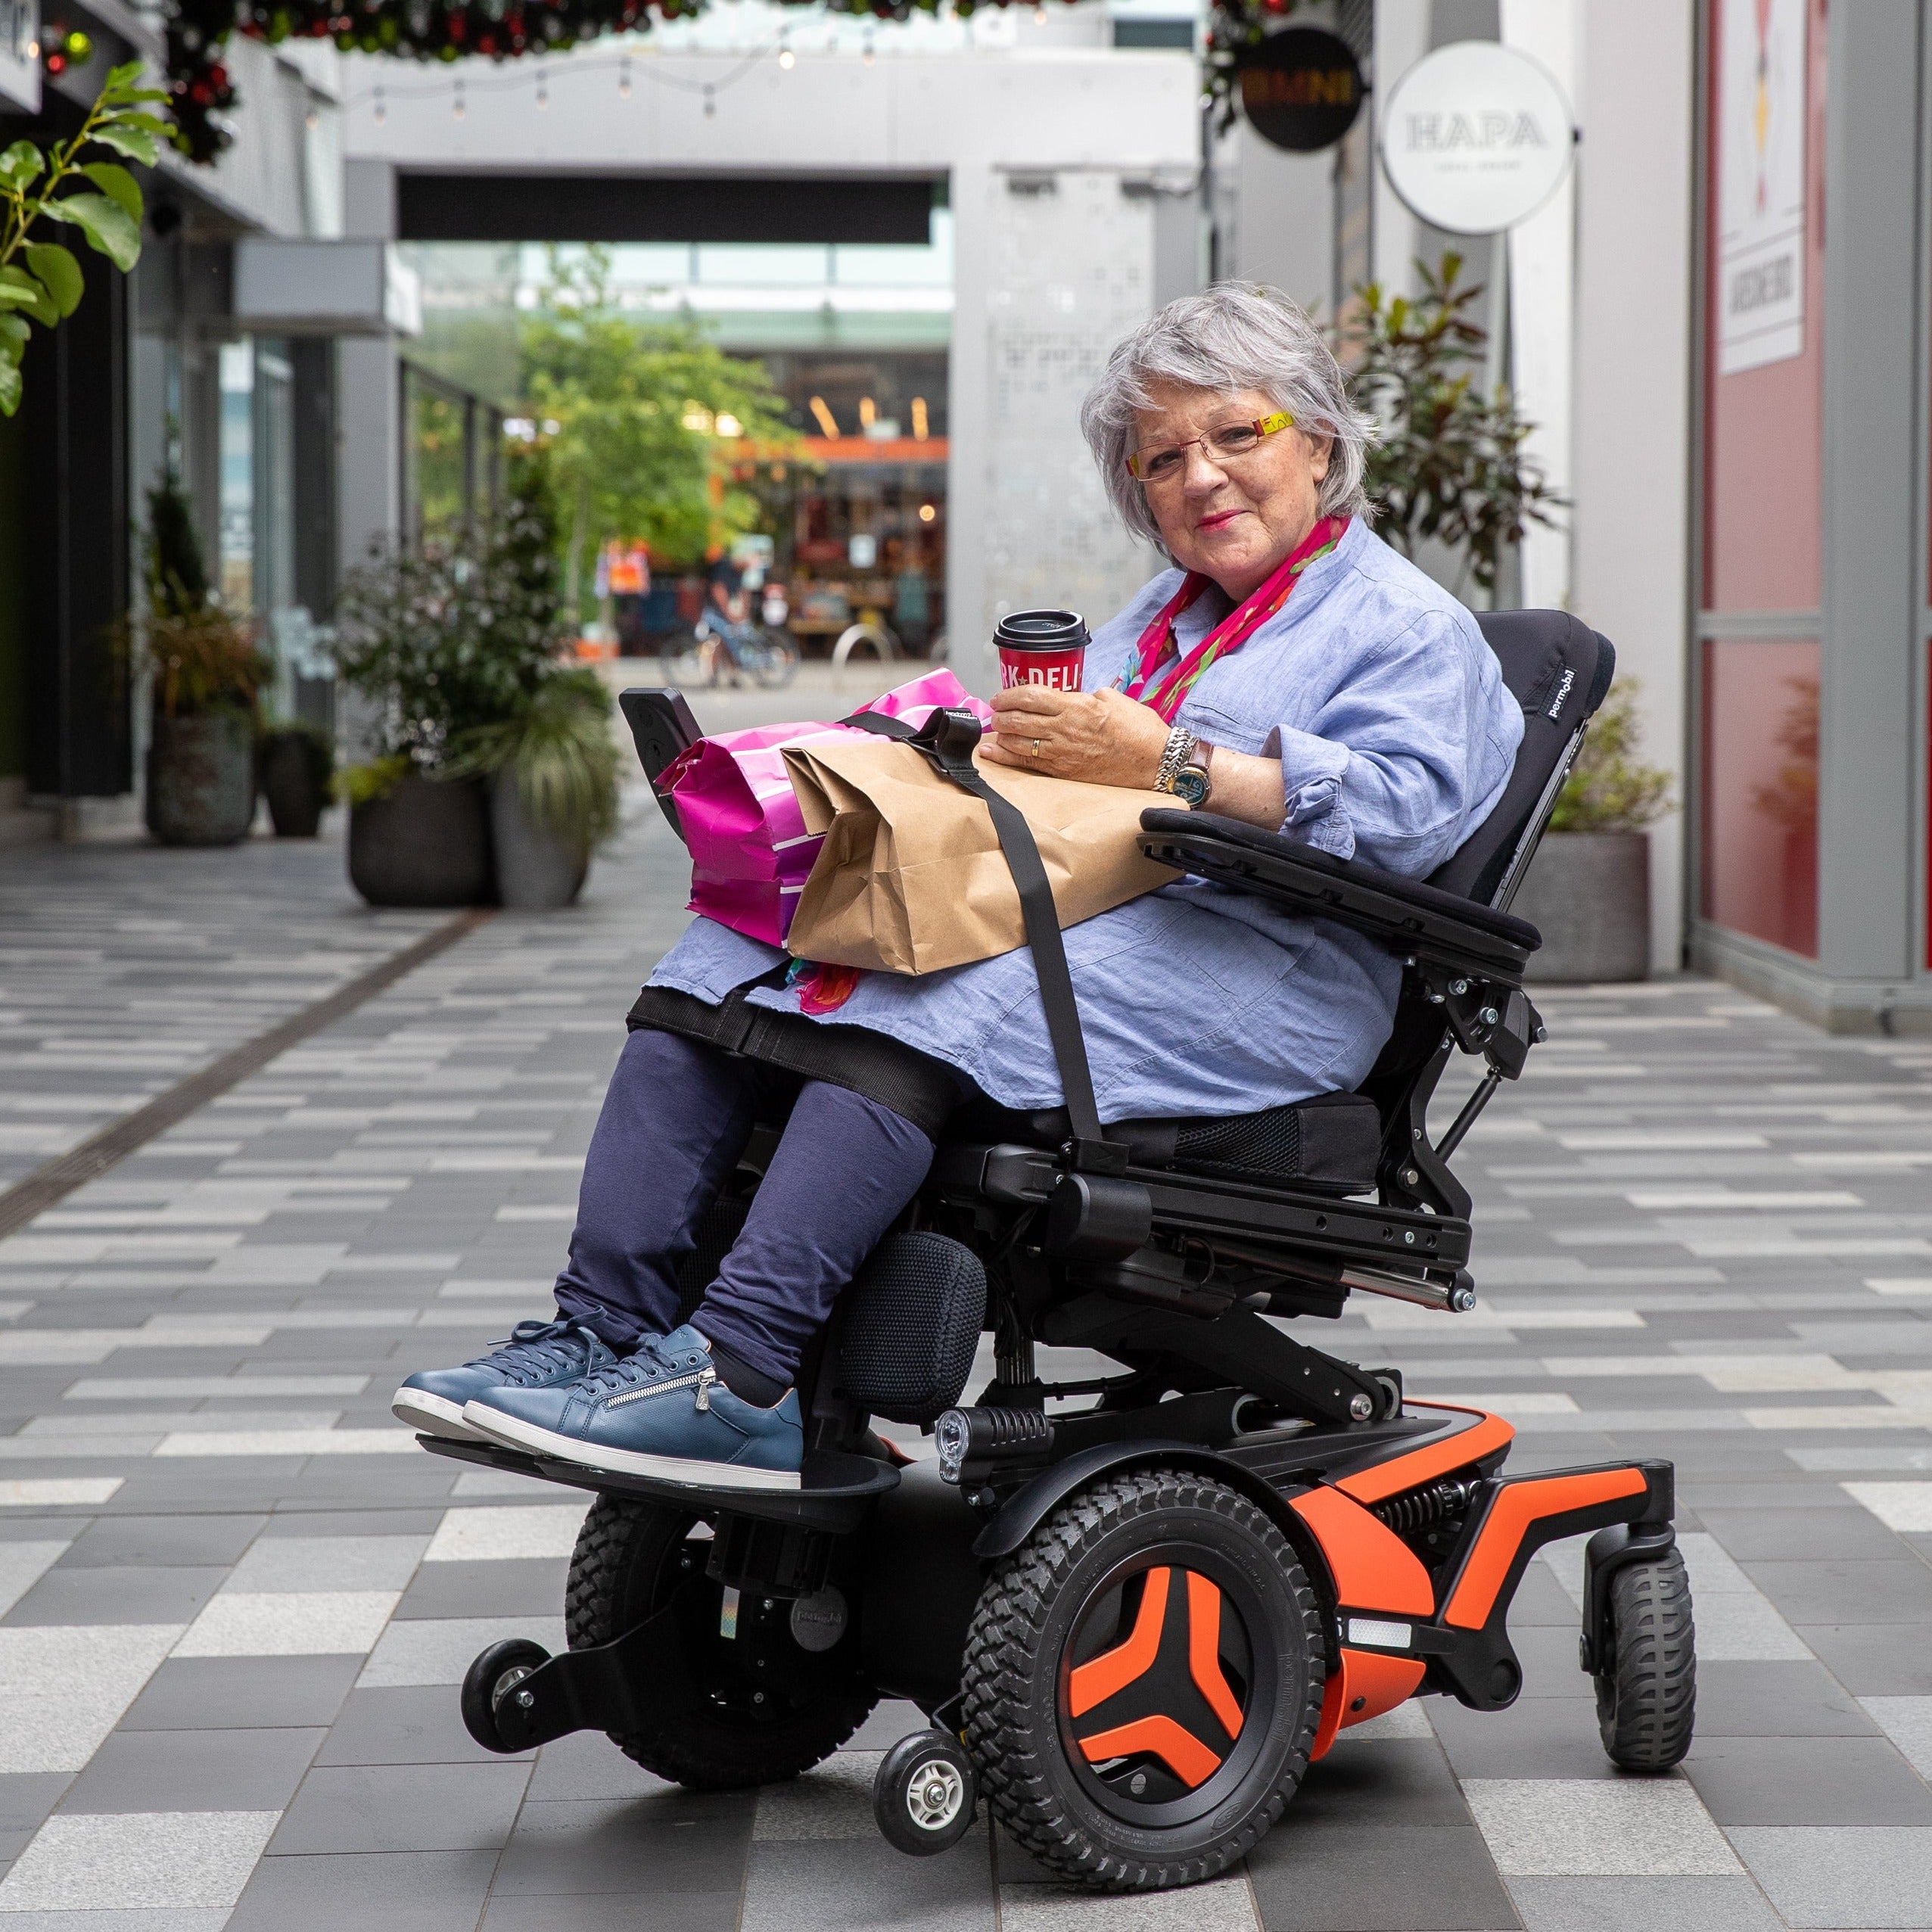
1760	183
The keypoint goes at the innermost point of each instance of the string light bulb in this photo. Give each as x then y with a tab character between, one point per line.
457	107
381	108
624	78
786	58
1039	17
542	87
866	55
711	102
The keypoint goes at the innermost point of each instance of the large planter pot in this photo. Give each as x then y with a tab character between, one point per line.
536	871
1588	893
201	779
427	843
294	776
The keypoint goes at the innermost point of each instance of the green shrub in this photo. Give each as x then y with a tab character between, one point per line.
1608	789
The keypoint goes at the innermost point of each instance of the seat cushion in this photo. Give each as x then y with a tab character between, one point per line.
1329	1144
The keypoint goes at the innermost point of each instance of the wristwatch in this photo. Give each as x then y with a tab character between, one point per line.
1194	783
1183	768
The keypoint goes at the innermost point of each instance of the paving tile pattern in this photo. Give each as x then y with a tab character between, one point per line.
234	1599
124	968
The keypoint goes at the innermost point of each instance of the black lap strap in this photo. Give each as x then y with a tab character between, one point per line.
946	741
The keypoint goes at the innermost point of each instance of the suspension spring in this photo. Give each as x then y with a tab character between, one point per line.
1418	1509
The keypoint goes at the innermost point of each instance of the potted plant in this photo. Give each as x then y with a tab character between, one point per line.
553	771
204	672
451	635
1448	467
1588	888
296	763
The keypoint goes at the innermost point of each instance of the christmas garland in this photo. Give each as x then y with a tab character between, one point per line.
203	95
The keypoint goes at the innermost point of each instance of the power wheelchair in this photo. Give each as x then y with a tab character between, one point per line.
1135	1607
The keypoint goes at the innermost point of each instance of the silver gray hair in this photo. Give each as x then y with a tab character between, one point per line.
1235	336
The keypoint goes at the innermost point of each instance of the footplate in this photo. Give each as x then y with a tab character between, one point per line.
836	1492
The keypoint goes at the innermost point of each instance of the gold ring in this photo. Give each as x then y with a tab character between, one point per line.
1036	748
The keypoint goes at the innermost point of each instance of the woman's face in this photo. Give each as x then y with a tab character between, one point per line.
1235	519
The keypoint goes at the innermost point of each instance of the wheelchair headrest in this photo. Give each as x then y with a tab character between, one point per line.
1558	671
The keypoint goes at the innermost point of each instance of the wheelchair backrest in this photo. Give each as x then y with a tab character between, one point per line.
1558	671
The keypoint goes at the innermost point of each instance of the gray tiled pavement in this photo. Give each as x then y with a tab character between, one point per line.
236	1598
125	967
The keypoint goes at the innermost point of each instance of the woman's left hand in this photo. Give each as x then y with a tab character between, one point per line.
1100	737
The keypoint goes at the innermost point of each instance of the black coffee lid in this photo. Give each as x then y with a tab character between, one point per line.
1043	630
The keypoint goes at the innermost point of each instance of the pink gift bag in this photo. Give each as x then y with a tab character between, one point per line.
750	851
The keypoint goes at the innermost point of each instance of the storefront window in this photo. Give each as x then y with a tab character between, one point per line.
237	475
1762	456
1760	768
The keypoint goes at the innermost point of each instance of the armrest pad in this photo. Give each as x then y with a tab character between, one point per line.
1405	913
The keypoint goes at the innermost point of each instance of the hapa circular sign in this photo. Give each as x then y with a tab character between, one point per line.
1475	137
1301	89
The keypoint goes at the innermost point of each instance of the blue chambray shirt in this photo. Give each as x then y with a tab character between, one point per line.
1396	735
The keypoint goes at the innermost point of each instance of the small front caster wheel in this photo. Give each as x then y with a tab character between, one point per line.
1647	1693
492	1678
925	1793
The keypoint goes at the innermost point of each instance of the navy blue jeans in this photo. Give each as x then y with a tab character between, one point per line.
676	1117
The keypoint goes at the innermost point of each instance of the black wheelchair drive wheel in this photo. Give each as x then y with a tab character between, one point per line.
493	1677
1646	1694
925	1793
777	1692
1143	1678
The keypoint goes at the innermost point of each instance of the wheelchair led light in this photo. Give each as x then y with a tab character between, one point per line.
1382	1636
952	1435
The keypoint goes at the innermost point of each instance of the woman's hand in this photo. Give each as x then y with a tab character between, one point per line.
1100	737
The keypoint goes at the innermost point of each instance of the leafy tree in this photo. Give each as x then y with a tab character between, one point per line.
646	418
1449	465
40	280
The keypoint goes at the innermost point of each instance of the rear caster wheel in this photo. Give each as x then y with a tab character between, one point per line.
493	1677
1143	1678
769	1706
1646	1696
925	1793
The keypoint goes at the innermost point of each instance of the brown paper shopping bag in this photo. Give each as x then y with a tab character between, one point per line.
911	879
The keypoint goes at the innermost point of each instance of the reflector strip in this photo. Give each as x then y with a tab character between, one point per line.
1379	1635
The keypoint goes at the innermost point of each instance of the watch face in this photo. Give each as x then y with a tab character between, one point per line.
1191	785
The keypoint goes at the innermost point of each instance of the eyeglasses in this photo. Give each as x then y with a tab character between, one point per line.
1230	443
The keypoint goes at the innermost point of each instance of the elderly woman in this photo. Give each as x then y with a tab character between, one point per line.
1290	671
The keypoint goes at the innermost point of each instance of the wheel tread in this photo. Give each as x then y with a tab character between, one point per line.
1646	1700
1003	1733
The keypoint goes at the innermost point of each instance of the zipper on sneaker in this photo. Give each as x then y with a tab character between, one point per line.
703	1379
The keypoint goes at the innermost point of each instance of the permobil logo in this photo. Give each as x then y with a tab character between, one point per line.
1563	692
1491	132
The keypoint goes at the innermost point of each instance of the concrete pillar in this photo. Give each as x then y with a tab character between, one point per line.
1872	494
1631	523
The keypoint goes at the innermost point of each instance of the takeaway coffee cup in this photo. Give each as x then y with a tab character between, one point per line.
1041	647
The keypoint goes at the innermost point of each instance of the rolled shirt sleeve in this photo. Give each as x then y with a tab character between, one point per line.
1391	765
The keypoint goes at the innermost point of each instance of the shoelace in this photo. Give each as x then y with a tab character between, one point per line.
544	1347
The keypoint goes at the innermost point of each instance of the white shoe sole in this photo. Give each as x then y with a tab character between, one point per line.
434	1415
495	1425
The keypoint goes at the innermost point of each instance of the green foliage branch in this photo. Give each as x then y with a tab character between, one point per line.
642	425
1448	466
40	279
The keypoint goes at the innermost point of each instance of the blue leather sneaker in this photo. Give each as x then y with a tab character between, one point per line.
663	1413
537	1355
